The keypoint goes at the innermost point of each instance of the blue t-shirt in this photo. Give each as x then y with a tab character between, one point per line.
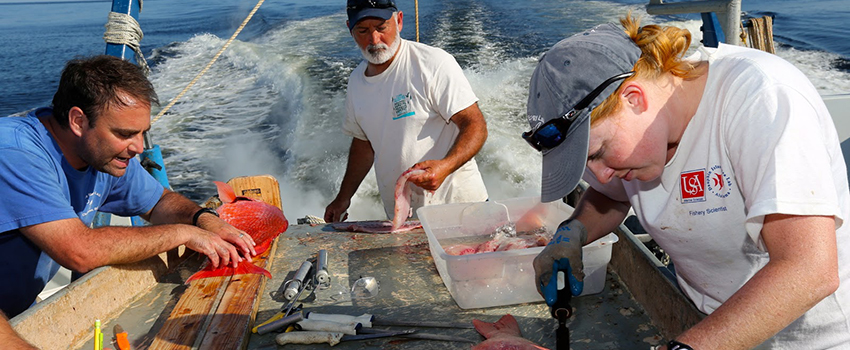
38	185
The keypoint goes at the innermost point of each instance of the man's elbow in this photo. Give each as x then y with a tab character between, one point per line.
81	262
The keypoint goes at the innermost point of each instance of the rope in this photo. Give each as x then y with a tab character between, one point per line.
760	31
123	29
203	71
417	20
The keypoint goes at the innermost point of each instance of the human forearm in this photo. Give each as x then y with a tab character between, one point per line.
172	208
472	133
111	245
803	269
360	160
9	338
599	214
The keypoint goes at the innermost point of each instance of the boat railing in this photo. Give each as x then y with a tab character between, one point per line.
728	13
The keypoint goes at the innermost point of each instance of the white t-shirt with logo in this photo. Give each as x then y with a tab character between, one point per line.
761	142
405	113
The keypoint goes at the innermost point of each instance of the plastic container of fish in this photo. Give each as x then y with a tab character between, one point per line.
501	277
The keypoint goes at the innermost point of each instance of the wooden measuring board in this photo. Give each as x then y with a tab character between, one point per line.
219	312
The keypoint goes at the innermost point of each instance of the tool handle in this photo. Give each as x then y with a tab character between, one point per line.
308	337
364	319
561	272
562	338
277	323
328	326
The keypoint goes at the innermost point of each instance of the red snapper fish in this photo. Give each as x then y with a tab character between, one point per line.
503	334
259	219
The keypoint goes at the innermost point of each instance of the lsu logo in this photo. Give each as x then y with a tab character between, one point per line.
692	185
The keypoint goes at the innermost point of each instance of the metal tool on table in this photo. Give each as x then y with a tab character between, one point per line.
418	335
323	278
332	338
558	293
293	289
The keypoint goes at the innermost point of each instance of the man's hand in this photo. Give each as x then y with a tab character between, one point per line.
435	173
219	252
569	238
241	239
336	211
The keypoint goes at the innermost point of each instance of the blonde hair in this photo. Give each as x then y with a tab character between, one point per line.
662	51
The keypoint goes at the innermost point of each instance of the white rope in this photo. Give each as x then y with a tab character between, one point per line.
123	29
207	67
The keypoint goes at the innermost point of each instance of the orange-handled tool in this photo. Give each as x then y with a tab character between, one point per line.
121	341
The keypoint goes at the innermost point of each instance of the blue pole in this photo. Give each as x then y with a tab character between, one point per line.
130	7
712	32
151	158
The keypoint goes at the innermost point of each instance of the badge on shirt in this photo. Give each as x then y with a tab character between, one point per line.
692	185
402	106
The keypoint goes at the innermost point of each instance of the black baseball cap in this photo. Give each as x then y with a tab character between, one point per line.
360	9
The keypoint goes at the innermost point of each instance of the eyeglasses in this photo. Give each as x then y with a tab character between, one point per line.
354	5
554	132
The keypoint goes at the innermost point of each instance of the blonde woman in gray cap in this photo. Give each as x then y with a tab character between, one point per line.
730	161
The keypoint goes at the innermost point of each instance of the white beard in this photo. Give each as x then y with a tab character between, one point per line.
380	53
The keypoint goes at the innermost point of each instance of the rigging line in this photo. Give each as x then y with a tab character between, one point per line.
203	71
123	29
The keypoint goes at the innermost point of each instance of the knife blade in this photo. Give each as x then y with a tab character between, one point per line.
418	335
433	324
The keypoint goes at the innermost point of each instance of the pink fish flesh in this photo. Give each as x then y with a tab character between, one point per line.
402	197
377	226
503	334
499	244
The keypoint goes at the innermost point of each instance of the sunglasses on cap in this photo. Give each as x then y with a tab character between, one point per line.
354	5
552	133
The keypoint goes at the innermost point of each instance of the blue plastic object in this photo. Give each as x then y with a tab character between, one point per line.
550	291
712	33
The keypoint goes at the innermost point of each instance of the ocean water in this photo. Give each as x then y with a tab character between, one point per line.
273	103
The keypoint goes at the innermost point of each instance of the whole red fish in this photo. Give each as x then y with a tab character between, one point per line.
503	334
259	219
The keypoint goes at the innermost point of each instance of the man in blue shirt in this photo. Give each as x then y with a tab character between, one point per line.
60	165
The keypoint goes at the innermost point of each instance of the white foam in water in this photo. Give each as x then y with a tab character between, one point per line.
275	105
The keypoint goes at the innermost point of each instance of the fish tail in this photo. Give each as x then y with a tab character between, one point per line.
505	325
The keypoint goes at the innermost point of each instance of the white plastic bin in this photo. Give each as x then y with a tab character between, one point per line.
504	277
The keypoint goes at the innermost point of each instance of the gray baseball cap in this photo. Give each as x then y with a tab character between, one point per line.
566	75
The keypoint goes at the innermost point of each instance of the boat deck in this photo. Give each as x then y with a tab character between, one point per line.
410	289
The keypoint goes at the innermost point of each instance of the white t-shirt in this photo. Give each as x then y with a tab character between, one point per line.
404	113
761	142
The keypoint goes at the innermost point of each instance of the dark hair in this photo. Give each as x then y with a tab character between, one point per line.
94	83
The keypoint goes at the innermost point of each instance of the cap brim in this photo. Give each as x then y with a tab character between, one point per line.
563	166
384	14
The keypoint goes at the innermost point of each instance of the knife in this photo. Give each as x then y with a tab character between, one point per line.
425	336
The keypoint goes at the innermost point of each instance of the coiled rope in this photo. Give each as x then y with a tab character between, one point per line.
123	29
203	71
